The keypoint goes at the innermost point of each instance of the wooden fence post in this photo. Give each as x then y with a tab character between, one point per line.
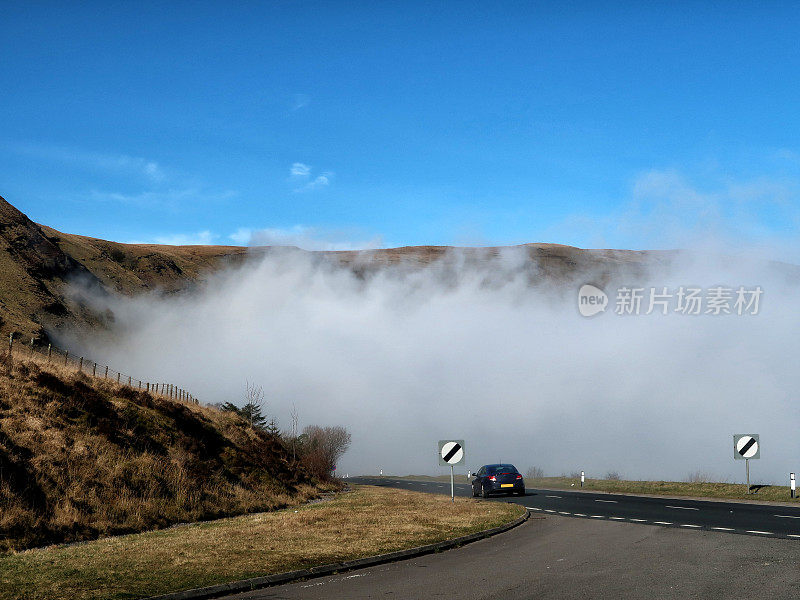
106	375
49	351
80	366
94	370
148	387
129	381
66	357
118	375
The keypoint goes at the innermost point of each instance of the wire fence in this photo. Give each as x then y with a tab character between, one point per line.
64	359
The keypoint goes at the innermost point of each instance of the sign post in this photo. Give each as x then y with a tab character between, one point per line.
451	453
583	478
745	447
792	484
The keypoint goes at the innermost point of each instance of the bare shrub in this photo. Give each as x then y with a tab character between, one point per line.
323	447
534	473
575	475
699	476
612	476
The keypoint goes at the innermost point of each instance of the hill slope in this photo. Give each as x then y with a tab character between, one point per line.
38	264
82	457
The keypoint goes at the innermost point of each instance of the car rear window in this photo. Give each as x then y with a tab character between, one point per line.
501	469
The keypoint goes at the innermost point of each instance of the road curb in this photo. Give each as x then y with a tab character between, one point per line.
246	585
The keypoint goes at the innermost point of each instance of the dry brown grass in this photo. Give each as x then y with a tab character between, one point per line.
82	457
365	522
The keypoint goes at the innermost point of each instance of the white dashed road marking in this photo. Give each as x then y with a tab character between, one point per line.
609	501
723	528
695	526
683	507
662	522
552	496
787	516
761	532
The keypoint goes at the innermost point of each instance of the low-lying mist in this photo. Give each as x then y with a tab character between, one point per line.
492	353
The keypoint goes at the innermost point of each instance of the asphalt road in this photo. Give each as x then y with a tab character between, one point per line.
558	557
771	521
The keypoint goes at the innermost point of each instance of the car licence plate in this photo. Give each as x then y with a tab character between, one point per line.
506	485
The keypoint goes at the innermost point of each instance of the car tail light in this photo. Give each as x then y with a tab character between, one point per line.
492	478
519	476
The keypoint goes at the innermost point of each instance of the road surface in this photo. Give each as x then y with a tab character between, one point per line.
762	520
601	555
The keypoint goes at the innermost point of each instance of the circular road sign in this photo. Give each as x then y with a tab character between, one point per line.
747	446
452	453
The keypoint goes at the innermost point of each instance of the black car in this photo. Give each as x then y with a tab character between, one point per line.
497	478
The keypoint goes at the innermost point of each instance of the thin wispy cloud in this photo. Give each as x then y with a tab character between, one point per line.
170	199
307	238
299	169
117	164
670	209
200	238
301	176
299	101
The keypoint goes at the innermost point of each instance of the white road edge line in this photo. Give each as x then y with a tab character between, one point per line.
580	515
617	518
638	520
760	532
687	525
609	501
786	516
548	510
793	535
532	508
564	513
552	496
597	516
662	522
723	528
682	507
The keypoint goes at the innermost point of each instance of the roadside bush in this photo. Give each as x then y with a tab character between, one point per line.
322	447
699	476
534	473
612	476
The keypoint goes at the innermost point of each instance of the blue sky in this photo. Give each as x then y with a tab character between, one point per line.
343	124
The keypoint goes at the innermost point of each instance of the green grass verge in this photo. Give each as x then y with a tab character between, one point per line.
729	491
364	522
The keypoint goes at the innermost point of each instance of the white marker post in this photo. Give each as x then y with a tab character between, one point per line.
583	478
792	484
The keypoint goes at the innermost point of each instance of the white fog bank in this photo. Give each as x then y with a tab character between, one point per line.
403	360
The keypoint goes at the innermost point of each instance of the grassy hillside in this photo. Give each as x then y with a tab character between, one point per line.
38	264
82	457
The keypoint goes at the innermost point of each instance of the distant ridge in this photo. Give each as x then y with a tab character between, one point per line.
37	264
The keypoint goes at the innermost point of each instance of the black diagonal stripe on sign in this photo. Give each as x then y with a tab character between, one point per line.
746	447
452	452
